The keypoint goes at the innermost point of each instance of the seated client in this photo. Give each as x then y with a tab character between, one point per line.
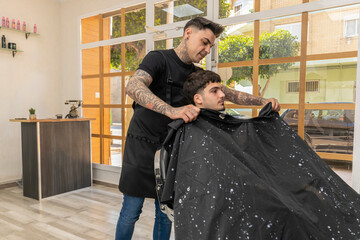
230	178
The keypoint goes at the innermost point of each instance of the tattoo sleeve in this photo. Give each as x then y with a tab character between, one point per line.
242	98
138	89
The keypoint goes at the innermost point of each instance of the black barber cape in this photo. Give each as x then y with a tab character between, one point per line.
253	179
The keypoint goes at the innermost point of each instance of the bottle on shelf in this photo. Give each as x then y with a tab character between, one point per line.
3	41
24	26
18	25
35	28
3	23
13	26
7	23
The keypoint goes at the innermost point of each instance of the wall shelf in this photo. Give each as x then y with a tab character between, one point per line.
11	50
27	33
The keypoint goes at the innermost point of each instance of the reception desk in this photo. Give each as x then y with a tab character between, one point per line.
56	156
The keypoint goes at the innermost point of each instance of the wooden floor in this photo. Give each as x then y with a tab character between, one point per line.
89	213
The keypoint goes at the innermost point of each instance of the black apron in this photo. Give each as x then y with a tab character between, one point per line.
146	132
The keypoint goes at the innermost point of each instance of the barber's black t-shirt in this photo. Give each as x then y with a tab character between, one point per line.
147	122
147	128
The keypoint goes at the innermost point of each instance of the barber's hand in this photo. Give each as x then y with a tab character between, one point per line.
188	113
275	104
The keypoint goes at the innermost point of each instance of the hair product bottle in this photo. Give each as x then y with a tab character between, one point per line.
7	22
24	26
3	41
35	28
18	25
13	25
3	23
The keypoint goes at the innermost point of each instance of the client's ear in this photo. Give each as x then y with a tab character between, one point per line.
198	99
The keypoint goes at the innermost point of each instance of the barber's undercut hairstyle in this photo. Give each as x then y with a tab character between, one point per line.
197	81
203	23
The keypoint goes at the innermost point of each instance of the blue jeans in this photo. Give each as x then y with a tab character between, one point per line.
130	213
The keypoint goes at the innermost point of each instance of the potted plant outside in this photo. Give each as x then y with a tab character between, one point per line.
32	115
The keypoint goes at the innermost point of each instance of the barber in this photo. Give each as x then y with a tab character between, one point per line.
156	88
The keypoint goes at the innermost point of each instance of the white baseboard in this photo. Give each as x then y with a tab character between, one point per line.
101	173
9	181
106	173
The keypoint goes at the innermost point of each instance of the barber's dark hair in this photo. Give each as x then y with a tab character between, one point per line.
197	81
202	23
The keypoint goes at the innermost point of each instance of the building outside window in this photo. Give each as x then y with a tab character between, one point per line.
293	28
237	9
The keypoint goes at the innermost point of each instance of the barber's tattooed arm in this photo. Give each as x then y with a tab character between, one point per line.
243	98
138	89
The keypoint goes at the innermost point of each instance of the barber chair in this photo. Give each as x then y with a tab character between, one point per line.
161	162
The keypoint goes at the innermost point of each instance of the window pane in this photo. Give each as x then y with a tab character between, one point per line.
280	37
90	61
350	27
167	43
112	153
128	110
235	8
112	121
135	52
112	90
112	27
112	58
93	113
176	11
280	81
290	116
90	29
328	30
91	91
326	130
237	43
95	149
330	130
128	115
128	100
336	77
242	113
272	4
135	21
238	78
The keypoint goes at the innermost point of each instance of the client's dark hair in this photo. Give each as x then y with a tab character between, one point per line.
202	23
197	81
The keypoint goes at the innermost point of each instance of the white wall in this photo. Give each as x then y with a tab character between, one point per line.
31	79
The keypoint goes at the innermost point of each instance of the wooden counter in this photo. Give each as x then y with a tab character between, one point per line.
56	156
53	120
